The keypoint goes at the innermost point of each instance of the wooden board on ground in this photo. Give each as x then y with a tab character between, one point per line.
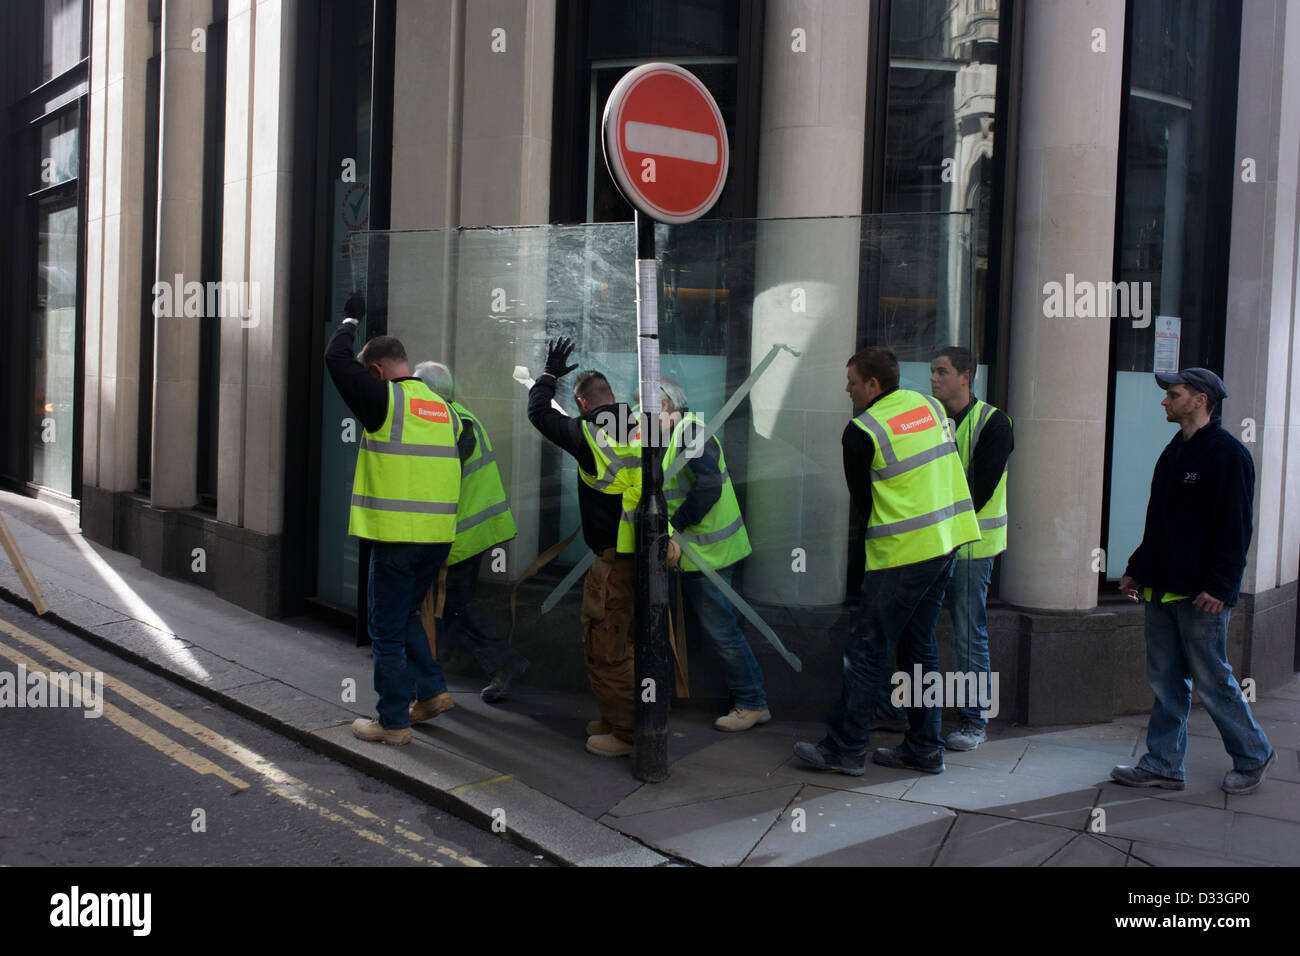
34	592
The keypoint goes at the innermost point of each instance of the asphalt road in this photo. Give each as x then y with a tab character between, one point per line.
166	778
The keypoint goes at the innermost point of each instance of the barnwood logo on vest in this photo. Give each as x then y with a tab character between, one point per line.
913	421
430	411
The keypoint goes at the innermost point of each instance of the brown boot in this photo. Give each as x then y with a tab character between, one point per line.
607	745
596	728
428	709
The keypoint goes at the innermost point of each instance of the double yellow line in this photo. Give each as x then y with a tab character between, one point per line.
275	780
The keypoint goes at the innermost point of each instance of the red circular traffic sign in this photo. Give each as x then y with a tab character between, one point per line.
665	142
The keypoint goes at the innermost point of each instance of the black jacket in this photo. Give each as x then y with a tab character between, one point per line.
1199	517
600	512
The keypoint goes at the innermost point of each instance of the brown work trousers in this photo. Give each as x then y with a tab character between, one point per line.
608	638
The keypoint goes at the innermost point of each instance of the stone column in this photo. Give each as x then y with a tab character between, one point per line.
806	282
1058	368
179	257
121	43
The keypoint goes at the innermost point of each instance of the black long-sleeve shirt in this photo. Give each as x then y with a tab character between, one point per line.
1199	517
600	512
366	396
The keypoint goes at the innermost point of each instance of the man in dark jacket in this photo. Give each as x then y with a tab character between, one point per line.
1189	567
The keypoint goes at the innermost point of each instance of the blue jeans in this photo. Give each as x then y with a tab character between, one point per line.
1185	647
967	592
899	607
400	577
718	619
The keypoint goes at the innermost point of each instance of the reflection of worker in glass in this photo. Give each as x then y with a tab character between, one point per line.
984	443
703	511
609	485
483	520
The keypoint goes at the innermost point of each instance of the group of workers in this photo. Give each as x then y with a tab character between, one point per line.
927	474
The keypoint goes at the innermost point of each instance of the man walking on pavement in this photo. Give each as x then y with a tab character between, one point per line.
703	511
903	472
602	441
1198	528
483	521
404	497
984	443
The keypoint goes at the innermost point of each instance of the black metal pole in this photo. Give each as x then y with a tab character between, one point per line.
654	672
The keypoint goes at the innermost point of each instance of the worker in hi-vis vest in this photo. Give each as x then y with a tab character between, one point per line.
703	511
603	441
404	499
984	443
483	521
904	474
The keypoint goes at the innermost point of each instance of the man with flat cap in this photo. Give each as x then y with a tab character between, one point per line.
1188	569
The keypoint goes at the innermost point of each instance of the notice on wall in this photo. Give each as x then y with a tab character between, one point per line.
1169	333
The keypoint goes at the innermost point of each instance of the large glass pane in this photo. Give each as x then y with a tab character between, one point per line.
775	301
61	39
1163	249
54	339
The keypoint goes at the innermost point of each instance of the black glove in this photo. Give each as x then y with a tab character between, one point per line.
355	307
557	355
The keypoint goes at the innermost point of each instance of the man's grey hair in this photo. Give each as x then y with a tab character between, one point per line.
438	377
675	394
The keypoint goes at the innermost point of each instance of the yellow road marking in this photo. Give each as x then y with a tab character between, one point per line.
482	783
135	728
280	783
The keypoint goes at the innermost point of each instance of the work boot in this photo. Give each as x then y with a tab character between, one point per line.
1137	777
968	738
742	719
823	758
1247	781
597	728
900	758
607	745
423	710
501	681
364	729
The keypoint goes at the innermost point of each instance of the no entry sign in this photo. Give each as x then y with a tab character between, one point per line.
665	142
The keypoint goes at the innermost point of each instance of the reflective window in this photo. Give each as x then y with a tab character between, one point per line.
53	346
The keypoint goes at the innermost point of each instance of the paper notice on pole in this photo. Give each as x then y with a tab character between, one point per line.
1169	332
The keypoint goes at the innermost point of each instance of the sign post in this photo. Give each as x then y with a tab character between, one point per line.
666	147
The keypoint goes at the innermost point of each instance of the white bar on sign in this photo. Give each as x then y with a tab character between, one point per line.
671	142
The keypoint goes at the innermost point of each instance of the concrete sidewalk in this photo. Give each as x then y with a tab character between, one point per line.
1022	799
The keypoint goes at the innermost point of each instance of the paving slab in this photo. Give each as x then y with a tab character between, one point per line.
1264	839
1278	799
418	760
754	751
1000	755
1287	766
1151	854
689	784
1117	739
1086	850
876	780
979	840
841	829
711	833
1072	767
1003	794
1144	819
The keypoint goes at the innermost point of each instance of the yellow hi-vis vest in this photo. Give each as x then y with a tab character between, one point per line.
483	516
407	481
720	537
993	516
920	504
618	472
